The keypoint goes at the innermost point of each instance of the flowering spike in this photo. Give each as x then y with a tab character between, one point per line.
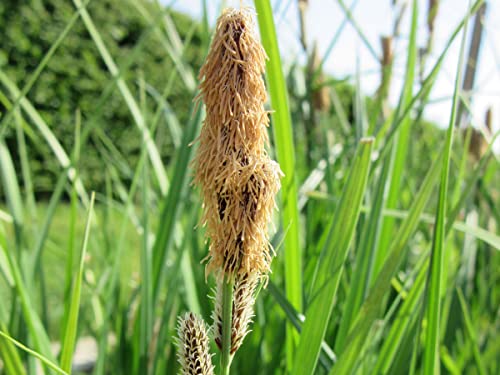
193	353
237	178
243	303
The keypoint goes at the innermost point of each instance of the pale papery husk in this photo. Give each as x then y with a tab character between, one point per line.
237	178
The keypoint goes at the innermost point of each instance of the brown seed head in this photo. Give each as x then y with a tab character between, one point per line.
193	353
236	176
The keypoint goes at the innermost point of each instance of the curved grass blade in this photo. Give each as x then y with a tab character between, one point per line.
10	356
362	273
33	353
434	286
48	135
153	152
173	202
401	141
371	307
72	322
469	328
331	262
40	67
11	185
283	138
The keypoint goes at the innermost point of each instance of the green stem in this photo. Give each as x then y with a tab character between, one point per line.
227	319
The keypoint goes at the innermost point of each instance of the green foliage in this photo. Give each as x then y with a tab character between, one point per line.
76	78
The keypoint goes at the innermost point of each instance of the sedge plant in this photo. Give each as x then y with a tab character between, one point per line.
238	181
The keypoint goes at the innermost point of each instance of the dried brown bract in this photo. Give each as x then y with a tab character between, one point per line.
236	176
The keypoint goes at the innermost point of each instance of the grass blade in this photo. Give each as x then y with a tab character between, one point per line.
434	288
49	136
11	359
72	322
283	138
34	325
331	262
173	202
11	185
470	332
364	260
33	353
401	139
153	152
370	309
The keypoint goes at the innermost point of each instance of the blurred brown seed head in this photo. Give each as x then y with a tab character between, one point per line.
478	143
236	176
321	91
431	14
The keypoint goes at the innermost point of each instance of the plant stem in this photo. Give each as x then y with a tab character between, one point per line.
227	319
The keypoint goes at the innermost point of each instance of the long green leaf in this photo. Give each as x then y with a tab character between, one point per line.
10	356
46	361
47	134
331	262
371	307
283	138
153	152
72	323
10	185
173	202
469	328
401	140
364	260
35	328
434	287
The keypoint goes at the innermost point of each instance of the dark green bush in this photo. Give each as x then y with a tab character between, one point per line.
77	78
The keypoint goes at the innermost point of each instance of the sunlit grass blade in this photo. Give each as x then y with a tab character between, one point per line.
469	328
434	286
12	362
283	138
153	152
25	167
71	329
362	273
341	230
400	145
371	307
47	134
44	229
326	357
35	328
407	315
39	69
49	363
173	202
427	84
11	185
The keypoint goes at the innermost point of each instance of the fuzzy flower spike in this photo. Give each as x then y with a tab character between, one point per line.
193	344
237	178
